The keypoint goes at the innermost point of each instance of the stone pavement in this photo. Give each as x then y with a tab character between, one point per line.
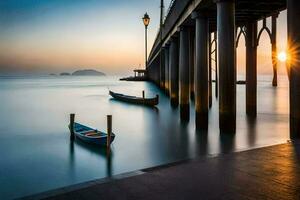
264	173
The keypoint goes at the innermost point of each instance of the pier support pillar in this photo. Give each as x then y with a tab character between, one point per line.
227	65
209	71
251	68
184	74
201	71
216	66
167	75
174	71
274	48
162	69
192	63
293	16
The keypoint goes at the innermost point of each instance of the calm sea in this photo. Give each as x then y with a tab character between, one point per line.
37	155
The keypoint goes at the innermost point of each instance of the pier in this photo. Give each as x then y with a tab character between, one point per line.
194	30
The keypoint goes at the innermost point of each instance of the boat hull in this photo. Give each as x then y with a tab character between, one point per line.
135	100
81	131
134	79
99	141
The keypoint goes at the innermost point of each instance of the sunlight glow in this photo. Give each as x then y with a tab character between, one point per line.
282	56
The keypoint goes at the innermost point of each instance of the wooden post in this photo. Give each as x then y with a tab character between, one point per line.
109	130
143	94
71	126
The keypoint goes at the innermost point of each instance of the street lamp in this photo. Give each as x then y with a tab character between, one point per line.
146	20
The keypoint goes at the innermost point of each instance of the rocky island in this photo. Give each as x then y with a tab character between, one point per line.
87	72
84	72
64	74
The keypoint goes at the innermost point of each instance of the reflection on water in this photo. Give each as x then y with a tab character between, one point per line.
251	130
106	153
37	154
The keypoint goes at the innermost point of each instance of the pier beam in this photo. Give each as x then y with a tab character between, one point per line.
251	68
293	16
227	65
174	71
201	71
167	75
274	48
184	73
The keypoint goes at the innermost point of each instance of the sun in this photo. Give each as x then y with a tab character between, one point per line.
282	57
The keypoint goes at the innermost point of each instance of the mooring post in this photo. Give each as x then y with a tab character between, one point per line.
143	94
174	71
293	16
71	126
251	68
227	65
201	70
184	75
109	130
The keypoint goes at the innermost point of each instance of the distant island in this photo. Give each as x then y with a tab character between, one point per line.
87	72
65	74
84	72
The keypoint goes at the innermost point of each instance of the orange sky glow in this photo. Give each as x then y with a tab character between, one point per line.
96	39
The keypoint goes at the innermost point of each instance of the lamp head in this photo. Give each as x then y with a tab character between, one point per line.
146	19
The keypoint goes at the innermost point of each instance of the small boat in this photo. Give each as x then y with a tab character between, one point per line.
91	135
241	82
134	78
135	100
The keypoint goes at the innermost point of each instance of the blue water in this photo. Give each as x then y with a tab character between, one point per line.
37	155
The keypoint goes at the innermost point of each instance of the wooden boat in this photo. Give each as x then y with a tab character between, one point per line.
135	100
132	78
91	135
241	82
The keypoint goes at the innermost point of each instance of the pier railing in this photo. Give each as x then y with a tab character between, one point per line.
175	9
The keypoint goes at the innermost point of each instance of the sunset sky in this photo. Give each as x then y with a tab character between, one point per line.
52	36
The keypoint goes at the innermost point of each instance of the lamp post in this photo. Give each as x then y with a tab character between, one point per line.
146	20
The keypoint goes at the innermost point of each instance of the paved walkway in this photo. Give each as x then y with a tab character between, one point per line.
265	173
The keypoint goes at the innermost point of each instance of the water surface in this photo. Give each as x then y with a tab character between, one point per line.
37	155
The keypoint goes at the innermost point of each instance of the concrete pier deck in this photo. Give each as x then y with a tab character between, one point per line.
264	173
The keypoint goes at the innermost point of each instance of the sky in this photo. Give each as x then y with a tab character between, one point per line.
53	36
